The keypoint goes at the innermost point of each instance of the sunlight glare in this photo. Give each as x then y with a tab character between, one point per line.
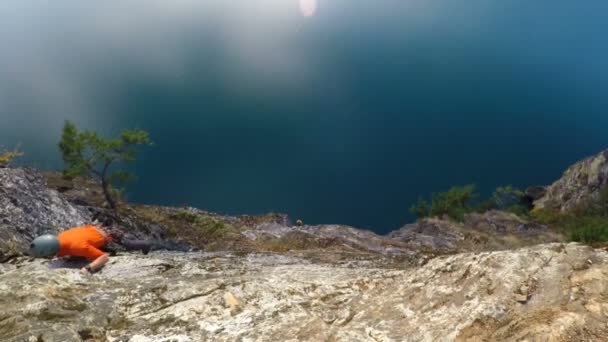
308	7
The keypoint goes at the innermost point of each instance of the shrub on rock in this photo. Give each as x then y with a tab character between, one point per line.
454	203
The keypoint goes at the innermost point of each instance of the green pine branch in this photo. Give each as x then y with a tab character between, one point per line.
85	153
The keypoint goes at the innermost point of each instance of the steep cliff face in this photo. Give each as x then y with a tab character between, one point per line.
581	182
549	292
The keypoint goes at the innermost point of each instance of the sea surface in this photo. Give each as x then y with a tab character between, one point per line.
332	111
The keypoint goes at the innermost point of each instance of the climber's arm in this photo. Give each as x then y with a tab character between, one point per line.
99	260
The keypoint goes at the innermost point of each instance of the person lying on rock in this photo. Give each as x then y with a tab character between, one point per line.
90	242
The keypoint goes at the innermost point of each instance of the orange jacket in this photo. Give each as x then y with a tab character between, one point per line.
84	241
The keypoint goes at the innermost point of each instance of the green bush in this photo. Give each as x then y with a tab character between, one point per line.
588	223
549	216
484	206
594	207
454	203
519	210
587	229
507	197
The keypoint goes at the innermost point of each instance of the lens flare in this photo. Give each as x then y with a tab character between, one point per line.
308	7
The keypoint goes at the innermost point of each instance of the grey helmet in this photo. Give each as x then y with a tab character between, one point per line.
44	246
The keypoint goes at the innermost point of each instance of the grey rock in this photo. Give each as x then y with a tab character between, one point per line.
269	297
28	208
581	182
493	230
429	234
328	237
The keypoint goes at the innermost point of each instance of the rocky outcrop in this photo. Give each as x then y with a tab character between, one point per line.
549	292
581	182
493	230
29	208
327	237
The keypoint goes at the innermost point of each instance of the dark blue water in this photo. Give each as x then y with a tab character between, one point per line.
344	117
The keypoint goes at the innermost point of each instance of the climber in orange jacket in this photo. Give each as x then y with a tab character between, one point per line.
91	242
85	241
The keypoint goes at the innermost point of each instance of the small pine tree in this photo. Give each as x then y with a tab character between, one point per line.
87	154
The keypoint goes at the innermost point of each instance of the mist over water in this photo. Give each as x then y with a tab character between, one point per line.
336	111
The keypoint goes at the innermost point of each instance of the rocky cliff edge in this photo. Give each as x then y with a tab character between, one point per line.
493	277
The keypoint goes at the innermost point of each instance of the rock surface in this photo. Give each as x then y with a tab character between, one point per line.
582	181
327	237
492	277
551	292
28	208
492	230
